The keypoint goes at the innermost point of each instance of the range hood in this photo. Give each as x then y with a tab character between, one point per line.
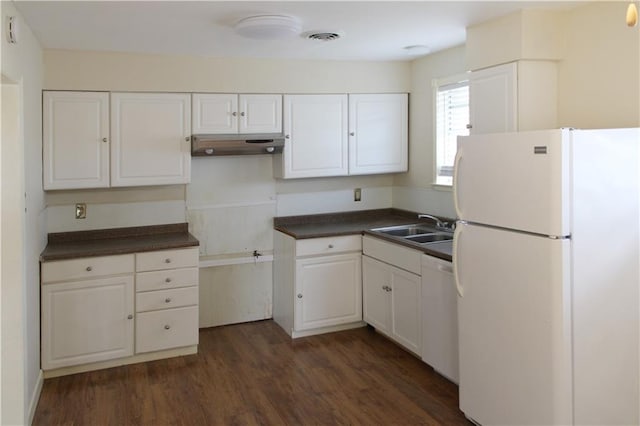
236	144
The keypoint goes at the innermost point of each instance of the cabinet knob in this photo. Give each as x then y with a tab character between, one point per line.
167	300
187	139
167	260
330	246
167	280
89	268
104	140
287	136
352	133
129	316
469	126
299	295
167	327
234	113
242	114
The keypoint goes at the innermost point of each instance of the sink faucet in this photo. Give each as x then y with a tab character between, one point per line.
439	223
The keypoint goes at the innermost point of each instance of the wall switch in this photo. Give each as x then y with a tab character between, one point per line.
357	194
81	211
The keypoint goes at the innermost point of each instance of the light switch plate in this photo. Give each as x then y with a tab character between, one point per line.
81	211
357	194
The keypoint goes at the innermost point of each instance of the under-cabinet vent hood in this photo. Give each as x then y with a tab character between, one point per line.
211	145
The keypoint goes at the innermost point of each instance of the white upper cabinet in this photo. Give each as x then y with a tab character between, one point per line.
493	99
378	133
316	137
150	139
75	140
215	113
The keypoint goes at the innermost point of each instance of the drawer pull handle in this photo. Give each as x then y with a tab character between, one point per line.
167	280
167	300
330	246
89	269
167	260
129	316
167	327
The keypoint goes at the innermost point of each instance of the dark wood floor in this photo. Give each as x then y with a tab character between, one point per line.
254	373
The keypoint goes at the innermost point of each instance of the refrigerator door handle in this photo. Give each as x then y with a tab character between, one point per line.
456	169
456	259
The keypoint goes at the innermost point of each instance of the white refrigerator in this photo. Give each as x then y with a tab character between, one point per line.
547	267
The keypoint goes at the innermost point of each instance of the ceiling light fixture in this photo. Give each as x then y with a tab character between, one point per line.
417	49
269	27
632	15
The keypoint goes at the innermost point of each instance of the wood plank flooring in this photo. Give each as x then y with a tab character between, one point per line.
253	373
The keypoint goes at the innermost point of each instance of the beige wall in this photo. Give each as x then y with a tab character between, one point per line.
599	77
22	226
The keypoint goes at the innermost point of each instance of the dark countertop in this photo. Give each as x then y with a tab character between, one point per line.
361	222
106	242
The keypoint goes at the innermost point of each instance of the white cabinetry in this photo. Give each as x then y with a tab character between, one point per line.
93	316
392	291
316	138
517	96
150	135
226	113
493	103
166	299
339	135
317	284
378	133
75	144
87	310
440	317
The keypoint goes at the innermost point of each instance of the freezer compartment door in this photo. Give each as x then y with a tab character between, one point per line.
514	327
514	180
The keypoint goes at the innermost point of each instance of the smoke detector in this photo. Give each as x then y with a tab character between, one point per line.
268	27
322	35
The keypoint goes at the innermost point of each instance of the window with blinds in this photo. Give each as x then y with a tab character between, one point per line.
452	117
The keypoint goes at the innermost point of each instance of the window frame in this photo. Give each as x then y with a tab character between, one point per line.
436	84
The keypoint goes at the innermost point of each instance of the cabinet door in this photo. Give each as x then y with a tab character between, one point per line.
75	151
493	103
378	133
406	314
150	139
260	114
214	113
439	317
316	141
87	321
376	286
328	291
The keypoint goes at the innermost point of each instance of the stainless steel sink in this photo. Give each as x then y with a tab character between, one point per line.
417	233
406	230
430	238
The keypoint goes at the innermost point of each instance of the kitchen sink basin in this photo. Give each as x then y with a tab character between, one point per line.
430	238
406	230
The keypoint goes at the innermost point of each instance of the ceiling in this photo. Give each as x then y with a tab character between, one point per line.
371	30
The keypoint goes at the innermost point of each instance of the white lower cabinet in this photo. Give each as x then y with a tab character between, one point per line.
439	317
392	295
87	321
99	309
317	284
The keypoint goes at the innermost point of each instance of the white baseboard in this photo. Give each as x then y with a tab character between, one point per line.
35	397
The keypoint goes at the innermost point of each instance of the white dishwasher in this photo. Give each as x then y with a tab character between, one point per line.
439	317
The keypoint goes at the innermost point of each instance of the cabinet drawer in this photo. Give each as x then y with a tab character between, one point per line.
169	328
393	254
328	245
164	280
167	259
163	299
87	267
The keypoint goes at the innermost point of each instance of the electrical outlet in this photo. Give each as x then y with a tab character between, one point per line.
81	211
357	194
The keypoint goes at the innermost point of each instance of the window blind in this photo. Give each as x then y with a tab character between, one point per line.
452	117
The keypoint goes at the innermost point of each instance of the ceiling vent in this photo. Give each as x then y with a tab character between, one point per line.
323	36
